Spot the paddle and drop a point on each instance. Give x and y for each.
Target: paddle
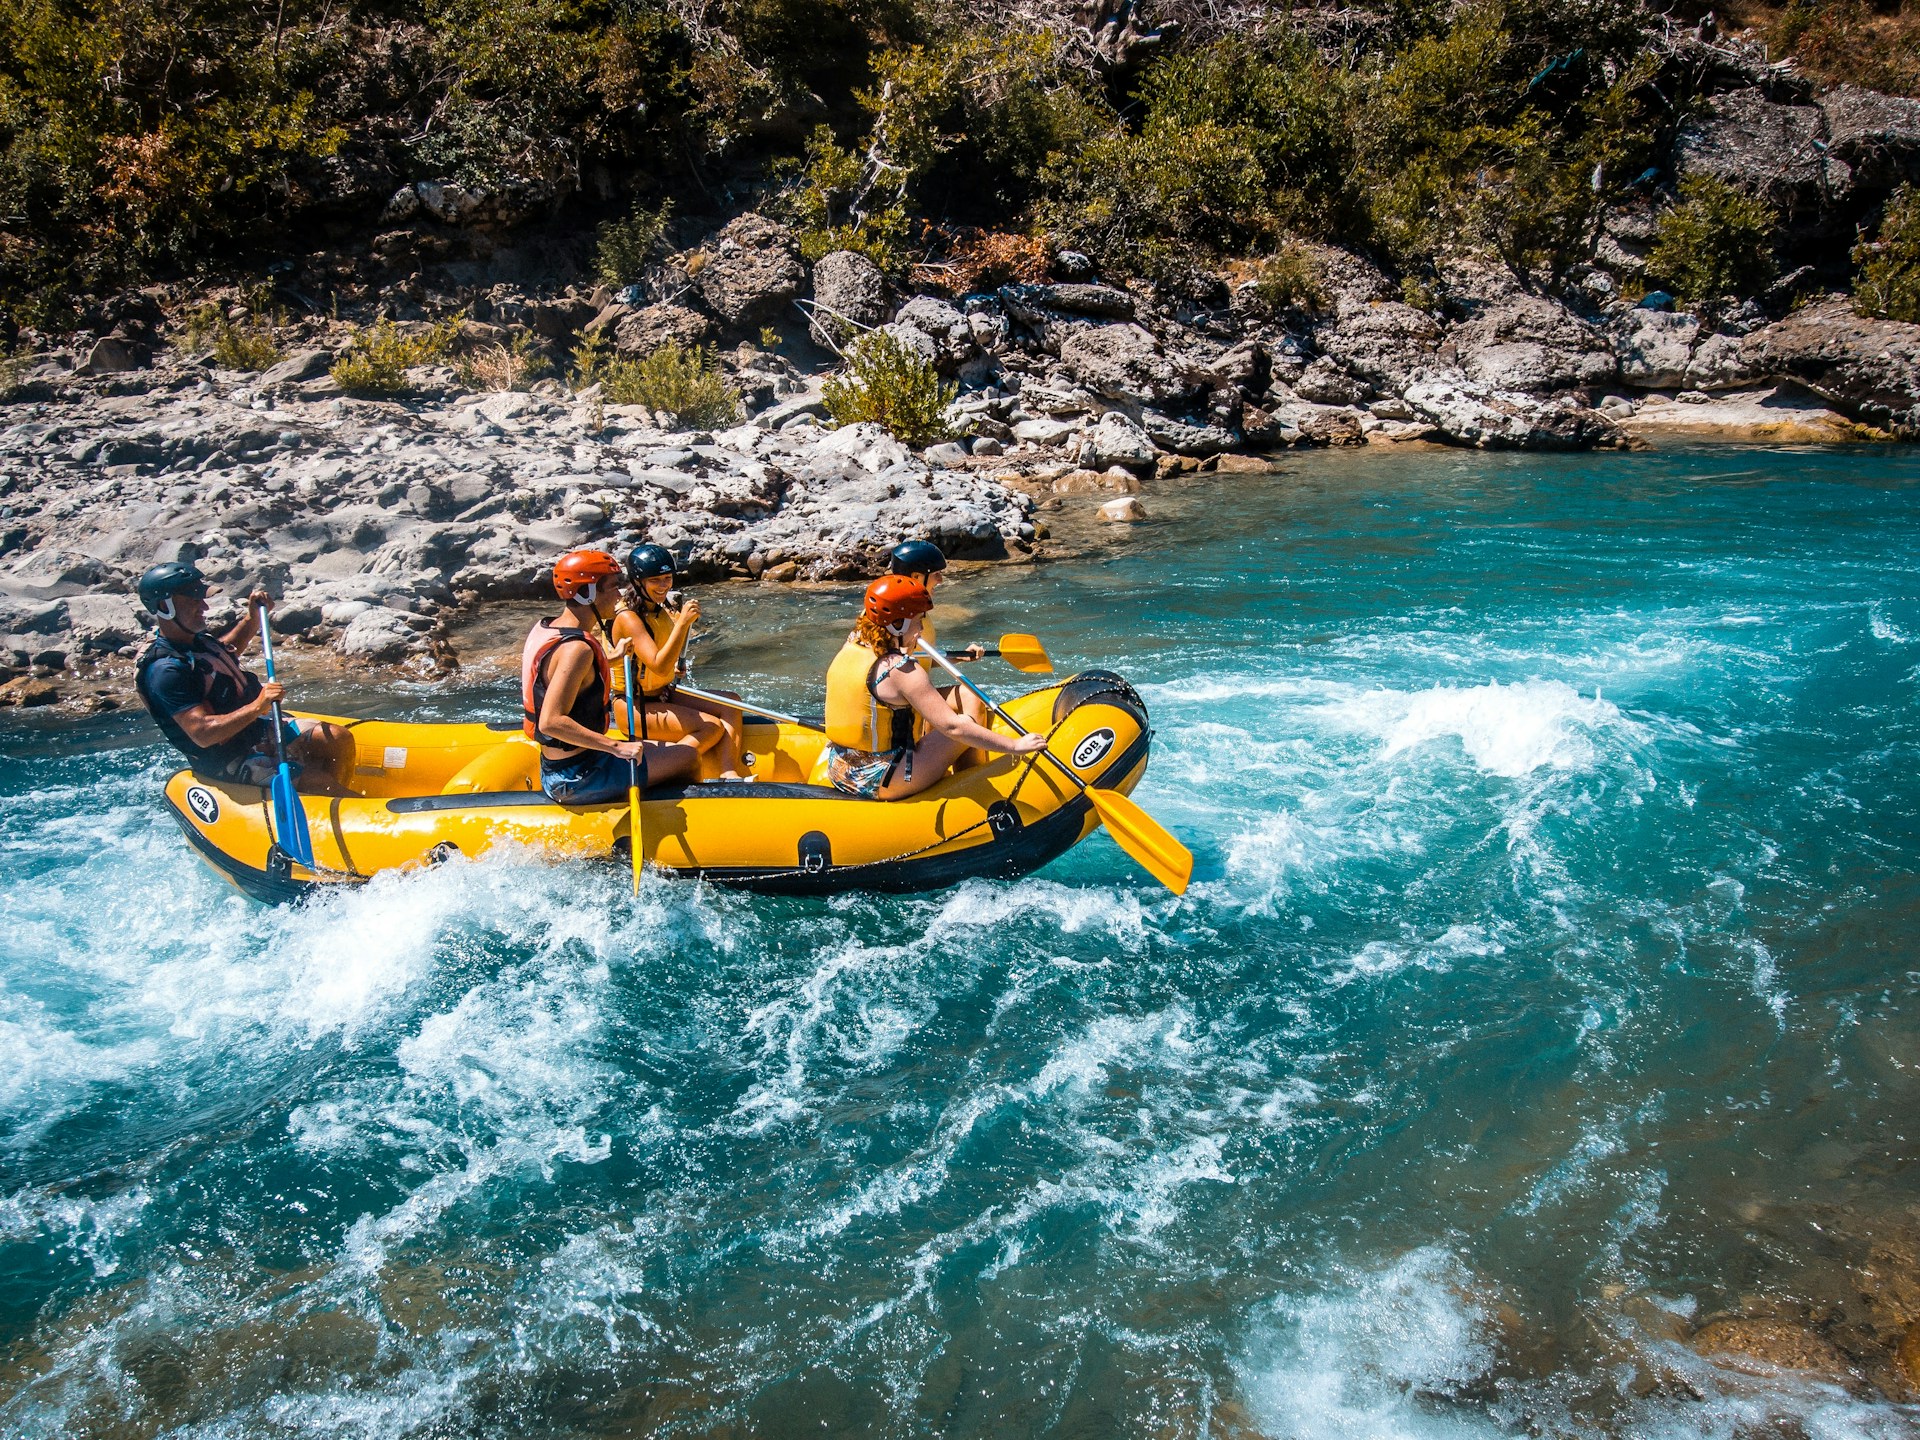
(289, 815)
(1023, 652)
(1136, 832)
(746, 706)
(633, 789)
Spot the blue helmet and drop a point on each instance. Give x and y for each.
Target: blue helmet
(646, 561)
(916, 557)
(164, 581)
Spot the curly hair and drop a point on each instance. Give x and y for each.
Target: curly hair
(875, 636)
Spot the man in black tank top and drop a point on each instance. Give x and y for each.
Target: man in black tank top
(211, 709)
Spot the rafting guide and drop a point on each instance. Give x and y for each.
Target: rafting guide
(903, 786)
(213, 710)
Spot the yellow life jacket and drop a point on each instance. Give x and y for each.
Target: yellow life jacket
(856, 717)
(926, 634)
(659, 626)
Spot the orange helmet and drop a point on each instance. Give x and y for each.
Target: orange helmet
(577, 575)
(892, 600)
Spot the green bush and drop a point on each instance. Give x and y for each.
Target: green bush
(1889, 281)
(378, 357)
(1293, 279)
(626, 248)
(1717, 242)
(893, 385)
(683, 384)
(251, 345)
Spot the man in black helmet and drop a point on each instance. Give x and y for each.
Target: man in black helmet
(924, 561)
(213, 711)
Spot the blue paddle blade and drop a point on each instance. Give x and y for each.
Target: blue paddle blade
(290, 818)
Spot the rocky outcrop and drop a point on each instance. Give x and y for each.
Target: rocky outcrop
(1470, 412)
(375, 522)
(1384, 342)
(1127, 363)
(1530, 344)
(1869, 369)
(1876, 136)
(1654, 347)
(1777, 152)
(750, 273)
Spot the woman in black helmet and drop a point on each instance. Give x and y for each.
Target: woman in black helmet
(924, 561)
(658, 633)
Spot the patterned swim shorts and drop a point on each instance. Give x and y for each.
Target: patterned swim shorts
(862, 772)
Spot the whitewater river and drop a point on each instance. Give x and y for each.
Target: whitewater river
(1547, 988)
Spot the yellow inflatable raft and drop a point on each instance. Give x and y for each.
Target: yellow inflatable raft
(428, 792)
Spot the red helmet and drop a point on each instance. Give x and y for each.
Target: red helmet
(578, 573)
(892, 600)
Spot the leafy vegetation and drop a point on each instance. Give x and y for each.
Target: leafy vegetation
(1889, 281)
(378, 357)
(1292, 279)
(1716, 243)
(251, 344)
(627, 247)
(683, 384)
(892, 385)
(150, 137)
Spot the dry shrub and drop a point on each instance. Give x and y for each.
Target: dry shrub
(512, 366)
(985, 260)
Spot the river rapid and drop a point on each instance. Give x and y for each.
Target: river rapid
(1547, 989)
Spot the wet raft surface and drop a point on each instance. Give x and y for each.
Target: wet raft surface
(1547, 990)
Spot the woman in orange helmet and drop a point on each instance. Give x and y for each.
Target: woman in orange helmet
(566, 694)
(891, 733)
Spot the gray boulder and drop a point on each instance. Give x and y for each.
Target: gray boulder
(1183, 438)
(1102, 302)
(1777, 152)
(377, 634)
(302, 365)
(943, 326)
(1116, 440)
(751, 272)
(1877, 136)
(1126, 363)
(1384, 342)
(1531, 344)
(849, 288)
(1469, 412)
(1869, 369)
(1653, 347)
(1326, 382)
(644, 331)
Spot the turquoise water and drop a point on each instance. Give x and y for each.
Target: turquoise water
(1548, 986)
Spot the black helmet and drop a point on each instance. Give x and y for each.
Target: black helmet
(916, 557)
(646, 561)
(164, 581)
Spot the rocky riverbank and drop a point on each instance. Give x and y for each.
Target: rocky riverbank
(377, 521)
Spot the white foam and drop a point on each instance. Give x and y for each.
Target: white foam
(1352, 1361)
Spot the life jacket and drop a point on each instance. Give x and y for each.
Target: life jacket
(857, 718)
(591, 707)
(924, 660)
(658, 626)
(225, 686)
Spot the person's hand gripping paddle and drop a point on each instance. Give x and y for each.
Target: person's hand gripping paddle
(633, 789)
(1152, 847)
(289, 815)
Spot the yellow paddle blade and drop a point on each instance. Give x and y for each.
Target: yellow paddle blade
(1149, 842)
(633, 833)
(1024, 652)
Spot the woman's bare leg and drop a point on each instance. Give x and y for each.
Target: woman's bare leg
(933, 760)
